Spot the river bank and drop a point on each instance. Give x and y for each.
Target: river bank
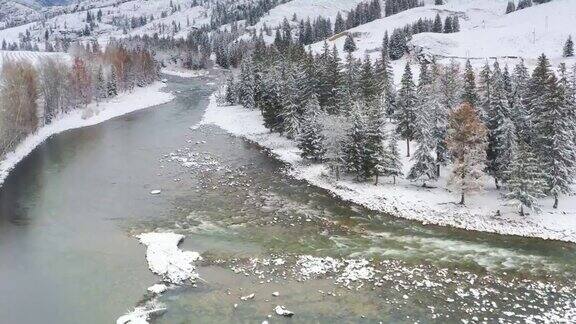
(93, 114)
(485, 212)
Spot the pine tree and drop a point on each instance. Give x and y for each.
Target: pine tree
(101, 88)
(511, 7)
(424, 167)
(247, 84)
(526, 183)
(385, 80)
(393, 164)
(485, 92)
(290, 115)
(368, 83)
(455, 24)
(112, 84)
(339, 24)
(231, 92)
(349, 44)
(553, 129)
(469, 93)
(437, 27)
(568, 48)
(406, 112)
(376, 159)
(467, 142)
(354, 146)
(311, 139)
(497, 122)
(518, 110)
(448, 25)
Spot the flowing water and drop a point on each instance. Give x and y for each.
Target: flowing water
(69, 211)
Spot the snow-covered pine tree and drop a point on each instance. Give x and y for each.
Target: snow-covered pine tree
(518, 112)
(270, 104)
(437, 27)
(231, 93)
(448, 25)
(351, 76)
(101, 88)
(556, 129)
(311, 139)
(385, 80)
(247, 84)
(406, 112)
(469, 93)
(290, 115)
(393, 164)
(368, 83)
(424, 167)
(349, 44)
(484, 93)
(376, 159)
(568, 50)
(455, 24)
(467, 142)
(526, 182)
(511, 7)
(355, 143)
(498, 116)
(112, 83)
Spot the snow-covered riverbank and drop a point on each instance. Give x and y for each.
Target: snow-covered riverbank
(124, 103)
(486, 212)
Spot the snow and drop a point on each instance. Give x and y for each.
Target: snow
(486, 212)
(93, 114)
(139, 315)
(167, 260)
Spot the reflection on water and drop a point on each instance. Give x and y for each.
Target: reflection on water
(68, 213)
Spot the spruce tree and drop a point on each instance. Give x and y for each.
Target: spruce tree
(354, 145)
(349, 44)
(311, 139)
(485, 92)
(568, 48)
(448, 25)
(518, 109)
(437, 27)
(455, 24)
(368, 83)
(406, 112)
(511, 7)
(393, 164)
(469, 89)
(247, 84)
(112, 83)
(385, 80)
(526, 182)
(376, 159)
(497, 122)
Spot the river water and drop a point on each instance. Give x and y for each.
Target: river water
(70, 210)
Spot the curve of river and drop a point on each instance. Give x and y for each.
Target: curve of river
(69, 211)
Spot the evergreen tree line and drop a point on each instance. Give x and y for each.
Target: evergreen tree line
(395, 6)
(32, 96)
(516, 127)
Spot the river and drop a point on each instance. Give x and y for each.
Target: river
(70, 210)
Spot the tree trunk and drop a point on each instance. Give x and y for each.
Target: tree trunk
(521, 210)
(438, 170)
(338, 172)
(408, 147)
(462, 199)
(555, 201)
(376, 183)
(496, 183)
(394, 179)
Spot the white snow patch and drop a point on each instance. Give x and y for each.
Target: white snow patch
(310, 266)
(123, 104)
(167, 260)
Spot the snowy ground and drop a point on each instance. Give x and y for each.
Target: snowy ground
(487, 212)
(94, 114)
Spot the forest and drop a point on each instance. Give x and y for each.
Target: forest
(515, 127)
(33, 95)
